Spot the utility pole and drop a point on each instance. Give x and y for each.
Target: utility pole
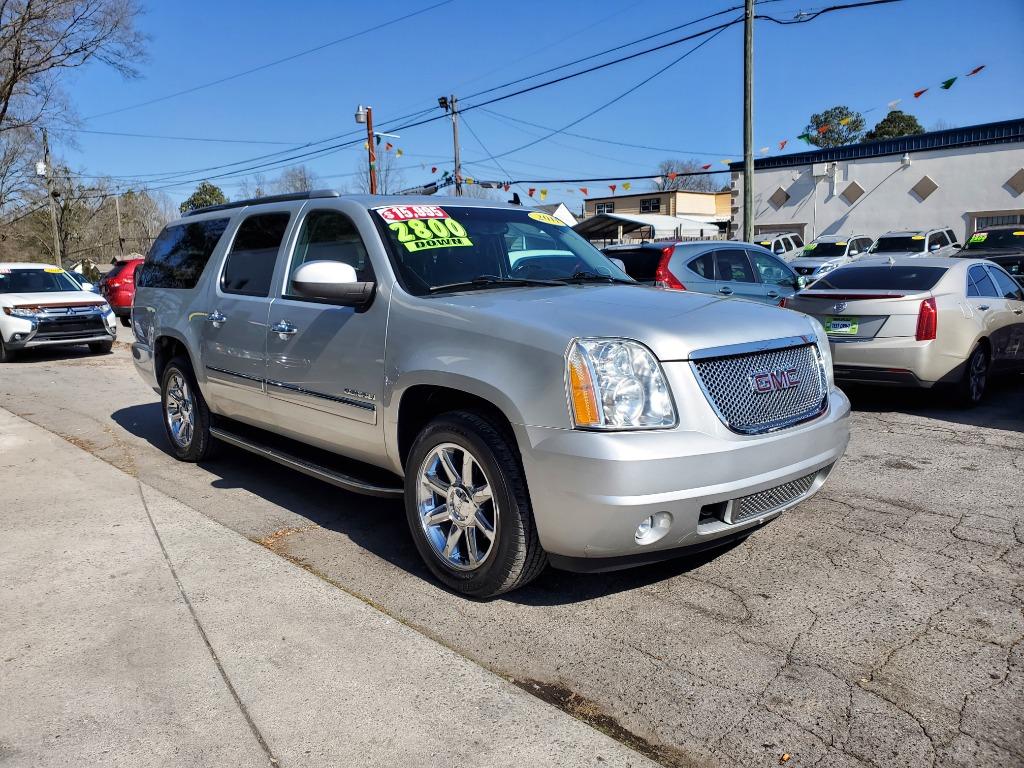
(748, 122)
(120, 236)
(51, 194)
(451, 105)
(365, 115)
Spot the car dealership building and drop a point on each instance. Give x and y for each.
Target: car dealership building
(963, 178)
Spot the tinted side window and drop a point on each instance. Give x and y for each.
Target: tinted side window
(1006, 286)
(179, 254)
(798, 241)
(732, 266)
(772, 270)
(249, 266)
(704, 266)
(979, 283)
(330, 236)
(939, 238)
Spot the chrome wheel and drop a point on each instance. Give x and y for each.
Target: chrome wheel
(977, 375)
(180, 410)
(456, 507)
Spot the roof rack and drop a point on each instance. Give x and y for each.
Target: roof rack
(317, 193)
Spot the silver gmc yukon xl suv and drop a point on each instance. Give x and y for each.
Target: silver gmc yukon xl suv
(530, 402)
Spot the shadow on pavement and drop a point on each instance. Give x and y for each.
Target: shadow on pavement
(1002, 408)
(50, 354)
(379, 525)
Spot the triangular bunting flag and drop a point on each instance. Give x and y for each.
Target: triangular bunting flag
(378, 140)
(846, 120)
(705, 167)
(508, 187)
(585, 191)
(657, 180)
(947, 84)
(626, 186)
(469, 180)
(893, 104)
(764, 150)
(433, 169)
(530, 191)
(388, 146)
(672, 176)
(824, 129)
(398, 153)
(975, 71)
(805, 136)
(728, 162)
(919, 94)
(783, 143)
(366, 145)
(612, 188)
(543, 195)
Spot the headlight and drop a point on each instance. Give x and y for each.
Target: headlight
(827, 267)
(823, 349)
(617, 384)
(105, 309)
(27, 313)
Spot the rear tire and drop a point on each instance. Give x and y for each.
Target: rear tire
(468, 507)
(101, 347)
(126, 321)
(970, 391)
(185, 414)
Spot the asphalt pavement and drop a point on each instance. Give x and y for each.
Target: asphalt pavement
(878, 624)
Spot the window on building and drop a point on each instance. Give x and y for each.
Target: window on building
(650, 205)
(605, 208)
(994, 221)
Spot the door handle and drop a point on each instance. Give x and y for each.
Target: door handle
(283, 329)
(725, 291)
(216, 318)
(983, 308)
(1018, 311)
(773, 294)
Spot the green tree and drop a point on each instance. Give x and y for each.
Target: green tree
(844, 127)
(894, 125)
(205, 194)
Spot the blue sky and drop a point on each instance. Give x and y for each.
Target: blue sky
(861, 58)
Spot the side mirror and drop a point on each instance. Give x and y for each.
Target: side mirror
(854, 252)
(933, 248)
(89, 287)
(333, 281)
(801, 282)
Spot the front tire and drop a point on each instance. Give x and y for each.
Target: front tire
(185, 414)
(101, 347)
(126, 321)
(6, 355)
(971, 389)
(468, 507)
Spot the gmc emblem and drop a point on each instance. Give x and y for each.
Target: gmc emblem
(764, 382)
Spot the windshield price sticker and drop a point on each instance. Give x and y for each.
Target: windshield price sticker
(54, 270)
(547, 218)
(843, 243)
(810, 246)
(979, 237)
(435, 232)
(917, 237)
(411, 212)
(1018, 234)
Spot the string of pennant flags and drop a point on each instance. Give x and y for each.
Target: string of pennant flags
(707, 169)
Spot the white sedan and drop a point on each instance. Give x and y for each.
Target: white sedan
(41, 306)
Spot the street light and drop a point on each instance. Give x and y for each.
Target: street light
(365, 115)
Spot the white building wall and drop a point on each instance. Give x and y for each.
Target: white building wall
(971, 181)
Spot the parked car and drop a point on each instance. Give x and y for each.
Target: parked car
(83, 282)
(825, 253)
(718, 267)
(920, 322)
(920, 242)
(530, 409)
(118, 288)
(42, 306)
(1003, 245)
(787, 245)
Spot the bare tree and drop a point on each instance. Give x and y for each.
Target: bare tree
(41, 38)
(298, 178)
(253, 187)
(666, 168)
(390, 179)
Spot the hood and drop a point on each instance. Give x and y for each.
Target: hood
(813, 261)
(49, 298)
(671, 323)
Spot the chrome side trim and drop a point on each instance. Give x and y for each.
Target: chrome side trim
(337, 479)
(332, 398)
(226, 372)
(750, 347)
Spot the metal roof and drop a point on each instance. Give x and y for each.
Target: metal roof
(1004, 132)
(606, 225)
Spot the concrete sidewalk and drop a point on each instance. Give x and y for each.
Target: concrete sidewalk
(137, 632)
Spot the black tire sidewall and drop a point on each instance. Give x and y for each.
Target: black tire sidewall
(489, 579)
(200, 446)
(964, 395)
(101, 347)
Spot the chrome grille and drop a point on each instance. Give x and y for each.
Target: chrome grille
(727, 383)
(770, 499)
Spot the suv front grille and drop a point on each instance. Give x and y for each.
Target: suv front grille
(770, 499)
(793, 388)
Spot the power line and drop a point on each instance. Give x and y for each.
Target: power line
(186, 138)
(274, 63)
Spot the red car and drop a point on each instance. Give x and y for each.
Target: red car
(118, 288)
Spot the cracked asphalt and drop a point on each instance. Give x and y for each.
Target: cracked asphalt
(879, 624)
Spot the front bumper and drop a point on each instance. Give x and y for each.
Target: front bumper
(24, 333)
(591, 490)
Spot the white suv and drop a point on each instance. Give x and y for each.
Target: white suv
(785, 245)
(41, 306)
(919, 242)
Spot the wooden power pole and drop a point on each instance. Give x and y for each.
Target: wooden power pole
(748, 122)
(52, 195)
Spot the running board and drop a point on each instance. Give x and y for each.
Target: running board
(312, 469)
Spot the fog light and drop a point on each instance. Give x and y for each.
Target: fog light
(653, 528)
(17, 337)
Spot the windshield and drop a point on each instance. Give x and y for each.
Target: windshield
(824, 250)
(882, 278)
(999, 238)
(898, 244)
(439, 247)
(41, 280)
